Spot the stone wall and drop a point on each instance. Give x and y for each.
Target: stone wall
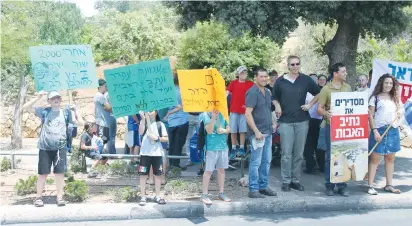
(31, 124)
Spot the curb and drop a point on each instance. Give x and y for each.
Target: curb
(186, 209)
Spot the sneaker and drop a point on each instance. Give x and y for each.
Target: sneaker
(241, 152)
(142, 201)
(61, 202)
(343, 192)
(285, 187)
(268, 192)
(38, 202)
(223, 197)
(372, 191)
(329, 192)
(297, 186)
(256, 195)
(232, 154)
(205, 199)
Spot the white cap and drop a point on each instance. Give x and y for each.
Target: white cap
(53, 94)
(240, 69)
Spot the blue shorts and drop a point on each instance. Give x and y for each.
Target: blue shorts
(391, 143)
(133, 139)
(237, 123)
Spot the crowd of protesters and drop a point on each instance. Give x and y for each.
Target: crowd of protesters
(295, 105)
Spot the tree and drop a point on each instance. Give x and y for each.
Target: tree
(26, 24)
(275, 19)
(209, 44)
(133, 36)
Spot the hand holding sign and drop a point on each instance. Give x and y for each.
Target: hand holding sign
(206, 95)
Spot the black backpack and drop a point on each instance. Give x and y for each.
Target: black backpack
(201, 138)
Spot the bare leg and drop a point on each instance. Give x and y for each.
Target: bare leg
(221, 179)
(374, 159)
(151, 176)
(206, 181)
(137, 150)
(41, 182)
(158, 183)
(143, 179)
(233, 136)
(242, 139)
(389, 168)
(59, 185)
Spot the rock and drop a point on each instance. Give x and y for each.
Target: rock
(8, 123)
(25, 117)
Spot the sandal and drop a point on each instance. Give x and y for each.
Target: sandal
(38, 202)
(142, 201)
(159, 200)
(391, 189)
(149, 183)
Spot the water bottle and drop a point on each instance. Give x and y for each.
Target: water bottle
(99, 144)
(194, 153)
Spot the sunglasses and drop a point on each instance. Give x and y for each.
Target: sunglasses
(297, 64)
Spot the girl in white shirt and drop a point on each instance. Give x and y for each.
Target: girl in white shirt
(151, 153)
(384, 107)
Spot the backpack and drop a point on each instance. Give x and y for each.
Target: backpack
(201, 138)
(67, 119)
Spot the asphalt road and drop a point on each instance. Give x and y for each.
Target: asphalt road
(398, 217)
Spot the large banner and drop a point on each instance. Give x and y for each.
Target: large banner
(145, 86)
(349, 136)
(403, 73)
(63, 67)
(203, 90)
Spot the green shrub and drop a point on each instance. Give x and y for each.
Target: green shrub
(181, 186)
(76, 191)
(129, 194)
(5, 164)
(118, 167)
(49, 181)
(77, 161)
(101, 169)
(25, 187)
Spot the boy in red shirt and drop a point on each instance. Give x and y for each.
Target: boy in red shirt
(237, 89)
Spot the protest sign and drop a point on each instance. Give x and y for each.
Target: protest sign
(349, 136)
(62, 67)
(146, 86)
(403, 73)
(203, 91)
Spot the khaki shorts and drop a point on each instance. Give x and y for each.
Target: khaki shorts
(216, 160)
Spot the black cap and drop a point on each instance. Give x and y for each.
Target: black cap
(102, 82)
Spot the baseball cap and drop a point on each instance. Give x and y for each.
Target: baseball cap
(240, 69)
(53, 94)
(102, 82)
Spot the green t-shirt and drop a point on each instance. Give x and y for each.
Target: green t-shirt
(214, 141)
(325, 95)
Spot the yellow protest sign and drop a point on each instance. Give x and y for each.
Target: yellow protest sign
(203, 90)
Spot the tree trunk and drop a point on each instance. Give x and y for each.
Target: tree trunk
(16, 133)
(343, 48)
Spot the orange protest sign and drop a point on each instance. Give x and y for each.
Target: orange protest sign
(203, 90)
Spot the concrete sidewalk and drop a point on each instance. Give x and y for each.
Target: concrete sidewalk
(312, 199)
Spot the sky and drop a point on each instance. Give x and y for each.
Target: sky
(86, 6)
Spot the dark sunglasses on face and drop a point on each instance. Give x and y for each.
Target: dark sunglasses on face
(297, 64)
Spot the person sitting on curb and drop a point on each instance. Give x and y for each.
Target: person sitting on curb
(151, 153)
(217, 156)
(92, 149)
(52, 143)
